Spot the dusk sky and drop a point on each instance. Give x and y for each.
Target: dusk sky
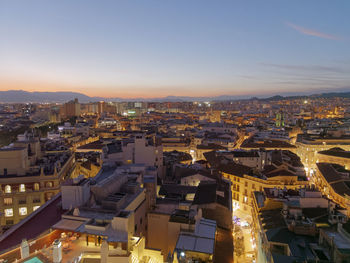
(180, 47)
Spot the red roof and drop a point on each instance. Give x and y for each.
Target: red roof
(33, 225)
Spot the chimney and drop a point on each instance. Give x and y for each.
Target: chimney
(24, 249)
(57, 251)
(104, 251)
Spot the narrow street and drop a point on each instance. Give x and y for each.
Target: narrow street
(243, 229)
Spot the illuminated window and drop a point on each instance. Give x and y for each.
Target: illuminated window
(22, 188)
(9, 212)
(8, 189)
(22, 211)
(36, 187)
(245, 199)
(8, 201)
(49, 184)
(36, 207)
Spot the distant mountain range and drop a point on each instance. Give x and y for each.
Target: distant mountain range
(25, 96)
(21, 96)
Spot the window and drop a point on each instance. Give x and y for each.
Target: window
(245, 199)
(8, 212)
(36, 199)
(246, 184)
(36, 187)
(22, 188)
(8, 189)
(49, 184)
(9, 222)
(36, 207)
(48, 196)
(22, 211)
(8, 201)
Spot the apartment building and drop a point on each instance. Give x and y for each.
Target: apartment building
(137, 149)
(298, 226)
(29, 177)
(20, 195)
(308, 145)
(334, 182)
(334, 155)
(281, 173)
(116, 221)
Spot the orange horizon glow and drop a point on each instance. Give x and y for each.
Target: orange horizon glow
(129, 92)
(120, 49)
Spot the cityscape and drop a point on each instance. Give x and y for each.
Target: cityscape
(174, 132)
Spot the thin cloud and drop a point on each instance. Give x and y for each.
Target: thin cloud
(309, 68)
(312, 32)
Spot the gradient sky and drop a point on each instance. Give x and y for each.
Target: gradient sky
(181, 47)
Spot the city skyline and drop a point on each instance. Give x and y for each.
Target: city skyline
(156, 49)
(155, 131)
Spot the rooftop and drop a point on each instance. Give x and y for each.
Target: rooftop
(337, 152)
(32, 226)
(202, 240)
(336, 176)
(97, 145)
(251, 143)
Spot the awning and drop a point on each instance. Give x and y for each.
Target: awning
(68, 224)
